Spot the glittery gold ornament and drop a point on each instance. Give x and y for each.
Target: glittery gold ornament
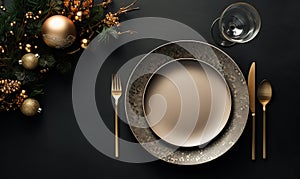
(30, 107)
(111, 19)
(78, 10)
(29, 61)
(8, 86)
(58, 31)
(11, 95)
(84, 43)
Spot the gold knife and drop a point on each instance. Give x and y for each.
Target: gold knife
(251, 88)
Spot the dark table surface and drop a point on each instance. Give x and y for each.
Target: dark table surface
(53, 146)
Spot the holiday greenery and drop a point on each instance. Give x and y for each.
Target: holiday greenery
(26, 53)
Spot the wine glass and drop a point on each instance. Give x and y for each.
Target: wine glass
(239, 23)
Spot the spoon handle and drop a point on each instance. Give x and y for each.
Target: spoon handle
(253, 136)
(264, 134)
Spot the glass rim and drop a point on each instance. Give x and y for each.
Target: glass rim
(254, 10)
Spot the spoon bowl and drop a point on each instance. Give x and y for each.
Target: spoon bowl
(264, 92)
(264, 95)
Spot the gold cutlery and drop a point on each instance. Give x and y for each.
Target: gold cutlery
(264, 95)
(116, 92)
(251, 88)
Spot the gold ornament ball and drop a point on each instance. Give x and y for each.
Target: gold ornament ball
(58, 31)
(30, 107)
(30, 61)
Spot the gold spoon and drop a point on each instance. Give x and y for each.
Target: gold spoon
(264, 95)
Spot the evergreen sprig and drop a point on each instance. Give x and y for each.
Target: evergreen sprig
(17, 30)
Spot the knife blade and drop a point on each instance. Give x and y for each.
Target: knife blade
(251, 89)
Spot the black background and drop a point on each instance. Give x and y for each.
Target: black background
(52, 145)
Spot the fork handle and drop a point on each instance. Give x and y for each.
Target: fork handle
(264, 134)
(116, 131)
(253, 136)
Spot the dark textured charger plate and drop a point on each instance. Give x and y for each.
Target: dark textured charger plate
(134, 106)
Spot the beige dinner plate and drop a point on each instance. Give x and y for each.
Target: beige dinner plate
(187, 102)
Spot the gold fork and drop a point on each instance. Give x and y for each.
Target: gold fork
(116, 92)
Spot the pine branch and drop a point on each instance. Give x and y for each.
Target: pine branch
(20, 29)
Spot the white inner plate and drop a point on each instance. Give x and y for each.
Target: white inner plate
(187, 102)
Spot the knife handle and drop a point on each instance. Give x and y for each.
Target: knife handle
(253, 136)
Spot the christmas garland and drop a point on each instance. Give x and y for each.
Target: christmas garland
(42, 35)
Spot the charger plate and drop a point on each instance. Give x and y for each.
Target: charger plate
(134, 98)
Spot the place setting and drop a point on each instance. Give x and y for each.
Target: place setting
(187, 102)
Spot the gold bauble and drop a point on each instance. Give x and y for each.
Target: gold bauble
(30, 107)
(58, 31)
(30, 61)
